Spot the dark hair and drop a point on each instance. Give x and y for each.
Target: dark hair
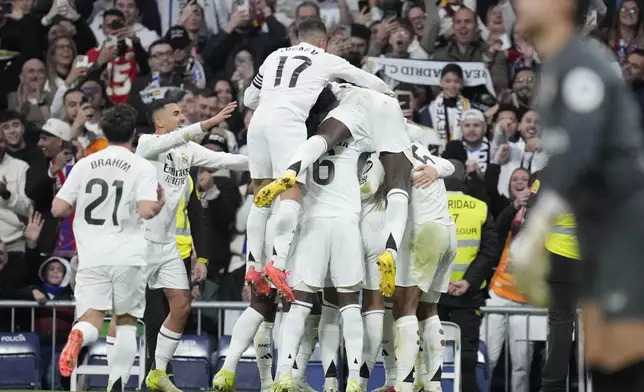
(639, 52)
(307, 4)
(311, 26)
(206, 92)
(505, 108)
(156, 106)
(519, 70)
(114, 12)
(158, 42)
(71, 91)
(404, 87)
(9, 115)
(118, 123)
(452, 68)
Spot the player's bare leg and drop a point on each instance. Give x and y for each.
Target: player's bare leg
(169, 338)
(256, 234)
(84, 333)
(406, 301)
(373, 315)
(259, 315)
(433, 345)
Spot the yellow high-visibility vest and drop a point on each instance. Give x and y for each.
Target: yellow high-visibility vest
(184, 237)
(469, 214)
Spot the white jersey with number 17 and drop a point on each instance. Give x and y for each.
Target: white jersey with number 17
(291, 79)
(105, 187)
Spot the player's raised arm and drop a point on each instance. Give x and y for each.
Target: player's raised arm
(65, 200)
(340, 68)
(165, 116)
(204, 157)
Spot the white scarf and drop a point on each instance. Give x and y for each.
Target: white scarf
(443, 116)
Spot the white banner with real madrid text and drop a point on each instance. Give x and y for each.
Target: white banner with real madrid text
(428, 72)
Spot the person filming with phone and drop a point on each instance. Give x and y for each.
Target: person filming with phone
(119, 56)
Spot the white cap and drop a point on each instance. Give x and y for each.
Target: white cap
(473, 114)
(58, 128)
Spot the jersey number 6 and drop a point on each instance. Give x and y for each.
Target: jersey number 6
(306, 62)
(104, 188)
(330, 170)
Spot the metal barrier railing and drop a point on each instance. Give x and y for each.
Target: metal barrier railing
(199, 306)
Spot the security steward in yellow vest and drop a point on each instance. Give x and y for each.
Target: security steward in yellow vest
(477, 254)
(563, 251)
(191, 228)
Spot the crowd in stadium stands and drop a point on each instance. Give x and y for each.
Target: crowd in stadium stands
(457, 67)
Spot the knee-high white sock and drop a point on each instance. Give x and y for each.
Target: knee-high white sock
(90, 333)
(286, 223)
(255, 235)
(167, 343)
(307, 345)
(109, 348)
(243, 332)
(307, 153)
(420, 367)
(433, 350)
(124, 353)
(388, 346)
(330, 343)
(372, 324)
(293, 332)
(407, 343)
(353, 333)
(264, 352)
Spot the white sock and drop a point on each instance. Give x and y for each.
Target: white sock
(286, 223)
(329, 343)
(125, 349)
(264, 353)
(434, 349)
(407, 340)
(110, 340)
(420, 368)
(255, 234)
(167, 342)
(90, 333)
(353, 333)
(307, 345)
(292, 335)
(388, 346)
(307, 153)
(244, 330)
(372, 324)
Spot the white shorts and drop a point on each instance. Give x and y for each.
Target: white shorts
(426, 257)
(271, 145)
(372, 225)
(117, 288)
(375, 120)
(327, 246)
(166, 269)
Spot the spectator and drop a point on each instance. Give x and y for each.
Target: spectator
(60, 58)
(304, 10)
(475, 142)
(42, 185)
(15, 207)
(522, 88)
(120, 60)
(31, 100)
(206, 108)
(243, 73)
(63, 20)
(633, 70)
(192, 20)
(360, 36)
(524, 56)
(216, 13)
(627, 32)
(186, 65)
(187, 102)
(83, 118)
(447, 109)
(417, 19)
(131, 15)
(13, 127)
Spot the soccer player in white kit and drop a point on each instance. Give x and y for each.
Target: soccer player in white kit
(110, 191)
(173, 152)
(283, 92)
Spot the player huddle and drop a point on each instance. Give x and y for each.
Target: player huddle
(362, 209)
(331, 228)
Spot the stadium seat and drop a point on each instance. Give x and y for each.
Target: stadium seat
(247, 374)
(482, 368)
(191, 362)
(451, 381)
(19, 361)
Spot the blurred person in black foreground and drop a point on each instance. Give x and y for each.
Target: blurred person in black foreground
(592, 133)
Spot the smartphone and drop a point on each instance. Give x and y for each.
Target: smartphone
(69, 146)
(111, 41)
(84, 100)
(190, 64)
(343, 32)
(362, 4)
(82, 61)
(242, 5)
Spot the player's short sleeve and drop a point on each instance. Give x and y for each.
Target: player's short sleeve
(69, 191)
(146, 184)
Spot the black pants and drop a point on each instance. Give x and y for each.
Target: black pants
(628, 379)
(469, 320)
(561, 322)
(157, 309)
